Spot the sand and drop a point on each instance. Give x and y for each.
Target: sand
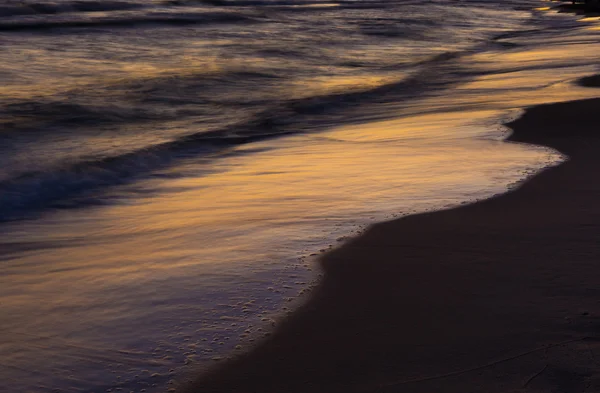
(501, 295)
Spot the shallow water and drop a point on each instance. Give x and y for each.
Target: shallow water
(168, 171)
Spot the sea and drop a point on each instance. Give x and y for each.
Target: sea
(171, 170)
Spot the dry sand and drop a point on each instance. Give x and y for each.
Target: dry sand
(498, 296)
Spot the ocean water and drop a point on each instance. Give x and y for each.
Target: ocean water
(170, 170)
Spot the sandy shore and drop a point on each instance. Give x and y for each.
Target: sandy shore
(498, 296)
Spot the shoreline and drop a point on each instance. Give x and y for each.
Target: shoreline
(494, 296)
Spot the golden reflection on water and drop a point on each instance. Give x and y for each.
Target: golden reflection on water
(590, 19)
(94, 74)
(568, 53)
(316, 5)
(341, 84)
(526, 73)
(254, 208)
(342, 172)
(89, 69)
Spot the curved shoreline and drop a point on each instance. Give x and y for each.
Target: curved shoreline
(496, 296)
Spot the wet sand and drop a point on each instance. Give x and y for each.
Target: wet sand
(501, 295)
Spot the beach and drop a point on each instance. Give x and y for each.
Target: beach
(296, 196)
(497, 296)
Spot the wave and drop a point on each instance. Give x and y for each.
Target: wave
(46, 8)
(130, 21)
(42, 115)
(162, 98)
(71, 185)
(57, 188)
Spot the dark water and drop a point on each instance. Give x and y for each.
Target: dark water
(167, 166)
